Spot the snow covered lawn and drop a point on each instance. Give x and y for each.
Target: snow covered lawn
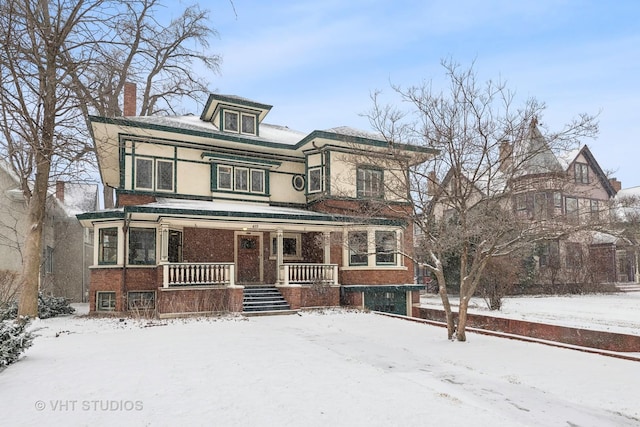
(317, 369)
(617, 312)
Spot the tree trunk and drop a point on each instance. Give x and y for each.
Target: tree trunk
(462, 319)
(28, 304)
(442, 291)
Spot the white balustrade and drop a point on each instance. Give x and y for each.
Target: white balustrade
(305, 274)
(198, 274)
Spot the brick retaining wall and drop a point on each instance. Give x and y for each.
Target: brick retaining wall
(575, 336)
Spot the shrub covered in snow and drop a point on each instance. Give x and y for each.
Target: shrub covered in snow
(14, 339)
(48, 306)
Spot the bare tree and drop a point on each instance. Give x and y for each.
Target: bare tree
(462, 198)
(62, 60)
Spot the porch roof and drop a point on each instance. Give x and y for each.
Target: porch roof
(231, 212)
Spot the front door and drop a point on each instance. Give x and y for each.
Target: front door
(248, 259)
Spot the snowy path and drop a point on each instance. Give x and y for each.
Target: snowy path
(336, 369)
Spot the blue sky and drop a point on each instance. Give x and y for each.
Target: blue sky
(317, 62)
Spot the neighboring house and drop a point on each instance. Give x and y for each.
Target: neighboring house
(64, 269)
(212, 209)
(547, 188)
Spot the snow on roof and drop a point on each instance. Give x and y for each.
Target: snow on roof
(349, 131)
(268, 132)
(80, 197)
(565, 158)
(224, 206)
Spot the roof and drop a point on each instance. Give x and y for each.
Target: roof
(234, 211)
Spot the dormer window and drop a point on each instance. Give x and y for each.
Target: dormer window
(238, 122)
(231, 121)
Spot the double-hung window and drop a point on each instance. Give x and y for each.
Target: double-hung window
(240, 179)
(358, 248)
(386, 248)
(370, 183)
(142, 246)
(108, 245)
(161, 180)
(224, 177)
(581, 173)
(315, 180)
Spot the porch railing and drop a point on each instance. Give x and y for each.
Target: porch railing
(306, 274)
(198, 274)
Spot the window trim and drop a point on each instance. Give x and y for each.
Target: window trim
(319, 179)
(131, 299)
(112, 300)
(274, 246)
(225, 121)
(395, 251)
(171, 163)
(366, 174)
(147, 251)
(581, 173)
(352, 252)
(101, 258)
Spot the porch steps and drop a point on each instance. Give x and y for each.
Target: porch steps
(264, 300)
(628, 287)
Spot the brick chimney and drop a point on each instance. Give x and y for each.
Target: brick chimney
(129, 99)
(505, 154)
(617, 185)
(60, 191)
(432, 183)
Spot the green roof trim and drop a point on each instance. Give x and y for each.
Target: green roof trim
(248, 160)
(383, 288)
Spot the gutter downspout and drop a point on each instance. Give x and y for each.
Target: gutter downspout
(123, 280)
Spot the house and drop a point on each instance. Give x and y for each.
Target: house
(224, 212)
(550, 190)
(65, 242)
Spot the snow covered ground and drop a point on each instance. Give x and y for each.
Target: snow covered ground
(618, 312)
(332, 368)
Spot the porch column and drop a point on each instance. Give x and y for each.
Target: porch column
(279, 254)
(164, 243)
(326, 239)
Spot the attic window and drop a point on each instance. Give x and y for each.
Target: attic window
(237, 122)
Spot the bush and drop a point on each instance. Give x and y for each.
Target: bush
(47, 307)
(14, 339)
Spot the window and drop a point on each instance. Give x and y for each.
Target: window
(370, 183)
(108, 245)
(291, 246)
(145, 300)
(521, 202)
(298, 182)
(231, 121)
(557, 199)
(175, 246)
(386, 247)
(105, 301)
(48, 260)
(571, 207)
(249, 124)
(315, 180)
(581, 173)
(549, 254)
(142, 246)
(224, 177)
(241, 179)
(574, 255)
(257, 181)
(144, 174)
(358, 248)
(164, 174)
(540, 206)
(595, 209)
